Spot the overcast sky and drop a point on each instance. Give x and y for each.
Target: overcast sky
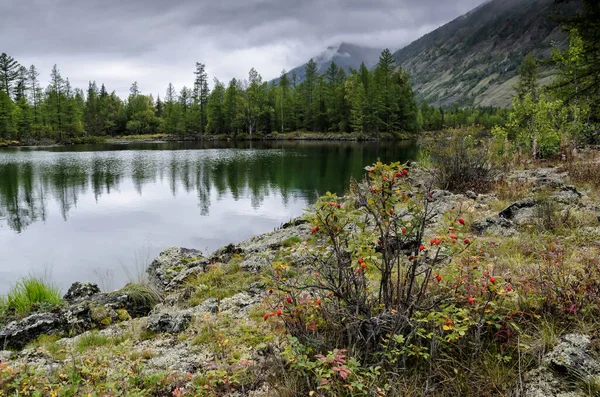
(116, 42)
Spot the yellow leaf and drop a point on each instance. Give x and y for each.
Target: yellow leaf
(312, 392)
(446, 327)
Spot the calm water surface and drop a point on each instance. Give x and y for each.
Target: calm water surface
(91, 212)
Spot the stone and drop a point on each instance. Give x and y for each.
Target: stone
(499, 226)
(471, 194)
(255, 263)
(97, 311)
(512, 211)
(79, 291)
(169, 322)
(5, 355)
(171, 262)
(18, 334)
(570, 359)
(567, 195)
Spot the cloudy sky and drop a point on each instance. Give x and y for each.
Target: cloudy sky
(116, 42)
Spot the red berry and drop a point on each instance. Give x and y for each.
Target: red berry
(360, 260)
(421, 248)
(266, 316)
(332, 204)
(318, 301)
(403, 230)
(380, 243)
(385, 179)
(316, 228)
(330, 294)
(471, 300)
(339, 206)
(467, 242)
(405, 172)
(272, 314)
(410, 258)
(461, 221)
(438, 278)
(391, 212)
(453, 236)
(438, 241)
(432, 241)
(279, 312)
(430, 195)
(359, 271)
(509, 288)
(270, 291)
(335, 229)
(372, 171)
(289, 300)
(399, 174)
(493, 280)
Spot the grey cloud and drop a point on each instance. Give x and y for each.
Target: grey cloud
(157, 41)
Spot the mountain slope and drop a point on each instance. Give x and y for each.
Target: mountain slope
(474, 59)
(344, 55)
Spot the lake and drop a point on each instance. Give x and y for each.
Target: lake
(99, 212)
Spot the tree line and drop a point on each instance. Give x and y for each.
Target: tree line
(371, 102)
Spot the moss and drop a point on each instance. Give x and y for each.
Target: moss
(123, 315)
(100, 315)
(221, 281)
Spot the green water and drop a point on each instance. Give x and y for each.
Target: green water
(90, 212)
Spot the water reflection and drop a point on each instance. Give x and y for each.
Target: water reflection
(89, 208)
(29, 178)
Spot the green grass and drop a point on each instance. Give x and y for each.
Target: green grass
(291, 241)
(29, 294)
(141, 296)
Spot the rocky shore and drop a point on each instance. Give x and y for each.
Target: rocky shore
(165, 321)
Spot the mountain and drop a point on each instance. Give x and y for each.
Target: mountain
(474, 59)
(344, 55)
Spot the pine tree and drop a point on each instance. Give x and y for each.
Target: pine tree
(528, 78)
(201, 94)
(9, 73)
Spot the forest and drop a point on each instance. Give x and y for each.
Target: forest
(378, 102)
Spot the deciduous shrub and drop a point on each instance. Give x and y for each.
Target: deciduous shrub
(462, 160)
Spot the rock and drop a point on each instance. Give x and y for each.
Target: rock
(18, 334)
(224, 254)
(5, 355)
(171, 262)
(255, 263)
(471, 194)
(567, 195)
(169, 322)
(182, 277)
(294, 222)
(98, 311)
(263, 243)
(79, 291)
(540, 177)
(570, 359)
(512, 211)
(500, 226)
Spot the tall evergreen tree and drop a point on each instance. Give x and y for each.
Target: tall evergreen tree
(9, 73)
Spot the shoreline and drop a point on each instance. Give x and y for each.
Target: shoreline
(163, 138)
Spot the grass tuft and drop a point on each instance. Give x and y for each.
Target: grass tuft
(29, 294)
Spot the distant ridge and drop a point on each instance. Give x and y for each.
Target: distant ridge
(345, 55)
(474, 59)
